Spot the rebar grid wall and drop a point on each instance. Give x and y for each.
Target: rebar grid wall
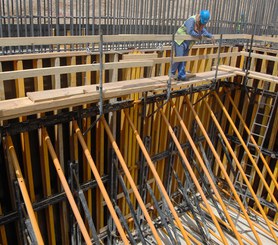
(87, 17)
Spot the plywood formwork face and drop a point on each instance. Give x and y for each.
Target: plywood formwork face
(151, 167)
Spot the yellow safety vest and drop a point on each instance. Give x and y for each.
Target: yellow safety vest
(182, 31)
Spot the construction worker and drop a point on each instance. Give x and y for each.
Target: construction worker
(194, 26)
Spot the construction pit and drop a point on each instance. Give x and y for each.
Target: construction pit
(101, 147)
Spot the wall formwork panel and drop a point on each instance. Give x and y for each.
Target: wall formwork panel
(29, 135)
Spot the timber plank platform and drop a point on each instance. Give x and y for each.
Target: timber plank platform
(42, 101)
(251, 74)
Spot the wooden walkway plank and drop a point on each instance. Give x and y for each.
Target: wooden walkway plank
(252, 74)
(24, 106)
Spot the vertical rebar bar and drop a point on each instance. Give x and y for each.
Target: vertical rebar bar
(52, 17)
(1, 19)
(101, 74)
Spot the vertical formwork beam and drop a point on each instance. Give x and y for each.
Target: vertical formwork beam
(191, 172)
(247, 151)
(131, 181)
(158, 180)
(254, 143)
(100, 183)
(47, 190)
(24, 191)
(204, 168)
(223, 170)
(3, 235)
(2, 90)
(66, 187)
(241, 171)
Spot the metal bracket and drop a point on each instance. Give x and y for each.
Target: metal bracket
(247, 66)
(26, 228)
(144, 171)
(172, 152)
(84, 204)
(218, 58)
(132, 211)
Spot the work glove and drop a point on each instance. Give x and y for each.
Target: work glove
(212, 40)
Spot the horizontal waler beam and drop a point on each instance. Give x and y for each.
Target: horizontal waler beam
(72, 69)
(60, 40)
(250, 74)
(260, 56)
(42, 101)
(56, 54)
(107, 66)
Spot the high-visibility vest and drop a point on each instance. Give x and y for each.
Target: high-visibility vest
(182, 31)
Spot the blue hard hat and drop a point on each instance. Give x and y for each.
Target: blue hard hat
(204, 17)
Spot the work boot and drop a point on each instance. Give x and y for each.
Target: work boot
(182, 78)
(173, 76)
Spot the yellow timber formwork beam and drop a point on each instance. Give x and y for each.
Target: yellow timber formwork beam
(45, 171)
(223, 170)
(2, 90)
(131, 181)
(126, 149)
(66, 187)
(130, 160)
(3, 235)
(24, 191)
(206, 172)
(254, 142)
(239, 167)
(46, 183)
(86, 122)
(247, 151)
(196, 182)
(100, 183)
(158, 180)
(99, 154)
